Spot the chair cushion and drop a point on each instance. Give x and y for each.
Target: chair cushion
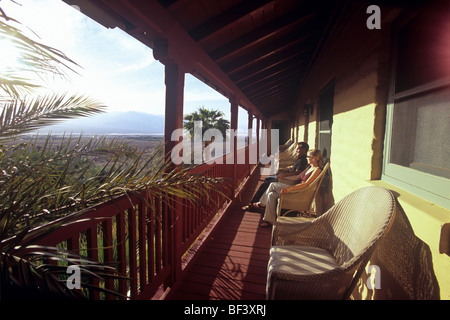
(300, 260)
(293, 220)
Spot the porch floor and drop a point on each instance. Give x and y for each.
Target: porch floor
(233, 264)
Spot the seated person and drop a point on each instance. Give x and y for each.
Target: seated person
(297, 167)
(269, 199)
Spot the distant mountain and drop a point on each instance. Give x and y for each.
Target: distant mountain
(130, 122)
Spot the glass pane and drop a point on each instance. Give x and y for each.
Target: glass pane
(325, 144)
(421, 127)
(326, 109)
(424, 49)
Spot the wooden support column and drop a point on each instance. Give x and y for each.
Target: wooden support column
(268, 128)
(258, 126)
(250, 136)
(233, 129)
(174, 81)
(266, 138)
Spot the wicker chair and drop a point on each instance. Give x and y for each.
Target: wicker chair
(300, 200)
(323, 258)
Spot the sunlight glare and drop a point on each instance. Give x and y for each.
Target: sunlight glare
(9, 56)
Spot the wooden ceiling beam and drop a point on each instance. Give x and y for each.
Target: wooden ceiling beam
(230, 17)
(275, 92)
(158, 25)
(254, 70)
(272, 82)
(270, 60)
(277, 69)
(274, 69)
(301, 44)
(274, 78)
(256, 82)
(254, 39)
(274, 106)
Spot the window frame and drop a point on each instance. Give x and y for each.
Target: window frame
(432, 188)
(329, 88)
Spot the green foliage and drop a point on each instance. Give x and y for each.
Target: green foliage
(41, 182)
(21, 116)
(211, 119)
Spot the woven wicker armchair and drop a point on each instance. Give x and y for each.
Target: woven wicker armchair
(323, 258)
(300, 200)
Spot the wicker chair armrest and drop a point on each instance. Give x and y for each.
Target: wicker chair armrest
(298, 200)
(295, 189)
(312, 233)
(293, 193)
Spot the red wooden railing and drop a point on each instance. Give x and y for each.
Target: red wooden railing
(146, 237)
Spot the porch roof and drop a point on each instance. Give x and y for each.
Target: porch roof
(254, 52)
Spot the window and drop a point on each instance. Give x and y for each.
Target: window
(418, 118)
(326, 99)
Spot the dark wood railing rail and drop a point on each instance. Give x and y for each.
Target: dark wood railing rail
(145, 236)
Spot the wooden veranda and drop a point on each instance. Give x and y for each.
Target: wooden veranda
(233, 264)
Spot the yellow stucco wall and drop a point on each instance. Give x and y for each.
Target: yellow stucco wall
(409, 259)
(411, 264)
(413, 258)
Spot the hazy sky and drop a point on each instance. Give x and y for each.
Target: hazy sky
(116, 69)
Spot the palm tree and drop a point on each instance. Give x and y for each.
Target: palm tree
(39, 183)
(206, 119)
(210, 119)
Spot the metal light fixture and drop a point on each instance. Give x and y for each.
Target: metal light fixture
(307, 108)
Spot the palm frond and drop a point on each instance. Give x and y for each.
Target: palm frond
(46, 185)
(21, 116)
(15, 86)
(35, 59)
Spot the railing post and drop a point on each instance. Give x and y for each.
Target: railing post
(267, 136)
(258, 121)
(250, 136)
(233, 130)
(176, 220)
